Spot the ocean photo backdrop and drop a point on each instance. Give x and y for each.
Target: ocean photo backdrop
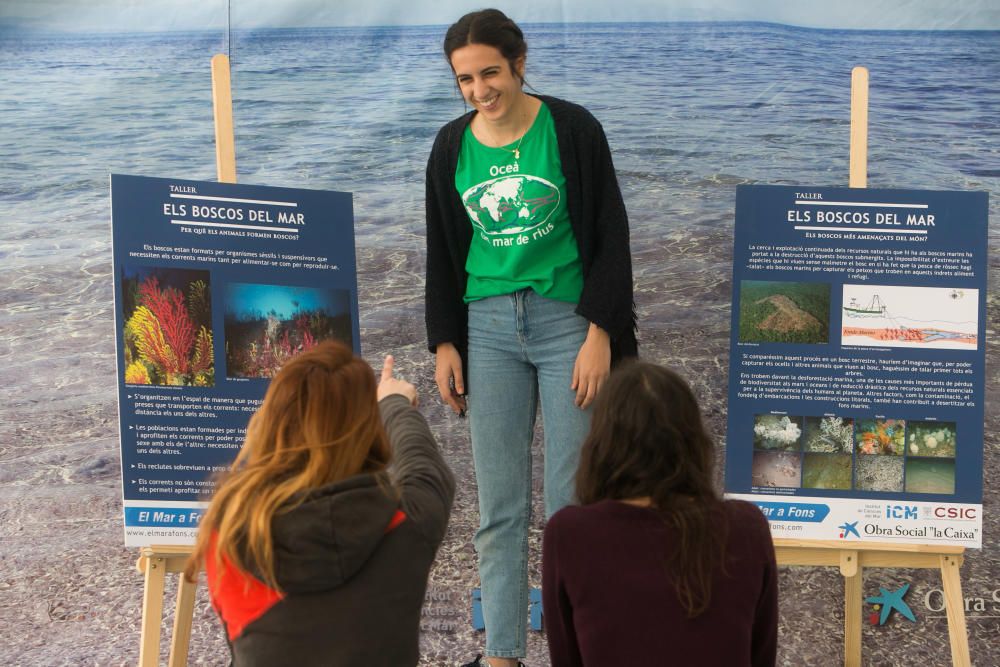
(690, 109)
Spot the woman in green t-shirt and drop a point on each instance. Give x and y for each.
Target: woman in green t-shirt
(529, 294)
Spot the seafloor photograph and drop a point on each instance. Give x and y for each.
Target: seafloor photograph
(879, 473)
(881, 436)
(930, 475)
(777, 432)
(168, 327)
(830, 435)
(827, 471)
(784, 312)
(266, 325)
(776, 469)
(931, 438)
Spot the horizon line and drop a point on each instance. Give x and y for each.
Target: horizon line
(10, 27)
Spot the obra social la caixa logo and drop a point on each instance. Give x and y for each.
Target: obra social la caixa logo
(977, 607)
(850, 529)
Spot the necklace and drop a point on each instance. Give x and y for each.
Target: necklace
(516, 150)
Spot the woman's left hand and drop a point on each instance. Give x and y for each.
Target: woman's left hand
(593, 364)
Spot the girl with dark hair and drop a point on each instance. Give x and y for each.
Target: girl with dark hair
(317, 553)
(529, 293)
(654, 567)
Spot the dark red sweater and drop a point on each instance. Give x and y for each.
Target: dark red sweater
(607, 600)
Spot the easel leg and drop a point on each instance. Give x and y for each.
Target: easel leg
(152, 613)
(954, 605)
(183, 615)
(852, 619)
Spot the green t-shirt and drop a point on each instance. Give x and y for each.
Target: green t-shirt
(521, 230)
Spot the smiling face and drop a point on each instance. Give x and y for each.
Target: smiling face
(488, 81)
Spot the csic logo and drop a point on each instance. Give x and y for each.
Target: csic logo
(900, 512)
(951, 512)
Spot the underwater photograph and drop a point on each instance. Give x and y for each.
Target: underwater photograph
(881, 436)
(879, 473)
(266, 325)
(830, 435)
(168, 327)
(776, 469)
(827, 471)
(777, 432)
(784, 312)
(931, 438)
(930, 475)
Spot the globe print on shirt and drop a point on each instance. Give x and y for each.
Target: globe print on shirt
(512, 204)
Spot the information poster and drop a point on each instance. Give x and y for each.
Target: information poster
(216, 286)
(857, 366)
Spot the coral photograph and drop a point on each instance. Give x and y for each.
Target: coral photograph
(776, 469)
(828, 435)
(780, 312)
(930, 475)
(266, 325)
(777, 432)
(168, 327)
(881, 436)
(931, 439)
(827, 471)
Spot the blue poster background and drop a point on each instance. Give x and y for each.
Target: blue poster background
(254, 273)
(795, 243)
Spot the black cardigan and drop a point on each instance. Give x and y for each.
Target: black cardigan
(597, 215)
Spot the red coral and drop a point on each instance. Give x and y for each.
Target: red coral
(308, 342)
(178, 330)
(150, 340)
(203, 356)
(284, 347)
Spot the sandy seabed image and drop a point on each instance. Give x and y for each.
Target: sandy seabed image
(930, 475)
(827, 471)
(776, 469)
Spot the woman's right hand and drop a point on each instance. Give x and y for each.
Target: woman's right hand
(389, 385)
(448, 376)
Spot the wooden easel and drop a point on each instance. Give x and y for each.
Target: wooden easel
(852, 558)
(156, 561)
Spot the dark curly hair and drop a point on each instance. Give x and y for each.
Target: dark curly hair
(647, 440)
(492, 28)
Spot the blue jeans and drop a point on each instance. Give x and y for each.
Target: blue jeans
(522, 348)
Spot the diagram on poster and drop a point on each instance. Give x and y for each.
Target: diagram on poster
(894, 316)
(216, 286)
(856, 369)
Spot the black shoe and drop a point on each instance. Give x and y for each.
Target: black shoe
(479, 662)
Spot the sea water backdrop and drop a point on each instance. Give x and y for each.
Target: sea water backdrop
(690, 110)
